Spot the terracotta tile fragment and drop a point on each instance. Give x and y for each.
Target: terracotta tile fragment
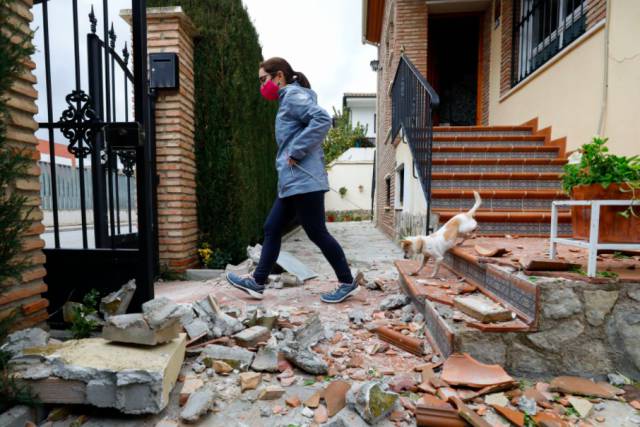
(335, 396)
(313, 401)
(580, 386)
(462, 369)
(320, 415)
(546, 419)
(514, 417)
(293, 401)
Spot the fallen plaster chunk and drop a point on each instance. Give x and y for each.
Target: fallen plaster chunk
(18, 341)
(161, 312)
(94, 371)
(249, 380)
(266, 359)
(371, 401)
(199, 403)
(236, 357)
(293, 265)
(118, 302)
(482, 308)
(271, 392)
(583, 406)
(358, 316)
(393, 302)
(298, 350)
(132, 328)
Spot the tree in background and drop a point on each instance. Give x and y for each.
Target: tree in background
(234, 128)
(343, 135)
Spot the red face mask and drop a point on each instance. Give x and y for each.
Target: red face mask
(269, 90)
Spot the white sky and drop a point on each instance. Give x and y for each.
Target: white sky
(322, 39)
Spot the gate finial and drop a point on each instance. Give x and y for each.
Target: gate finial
(125, 54)
(112, 37)
(93, 20)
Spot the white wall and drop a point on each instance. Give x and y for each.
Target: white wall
(350, 175)
(414, 201)
(363, 111)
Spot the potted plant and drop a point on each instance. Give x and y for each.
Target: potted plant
(594, 174)
(342, 191)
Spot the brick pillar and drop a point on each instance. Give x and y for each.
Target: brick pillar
(21, 126)
(169, 29)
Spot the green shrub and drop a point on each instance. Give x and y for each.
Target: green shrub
(343, 136)
(234, 126)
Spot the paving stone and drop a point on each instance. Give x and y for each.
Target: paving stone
(132, 328)
(250, 337)
(598, 304)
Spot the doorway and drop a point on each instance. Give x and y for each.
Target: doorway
(452, 62)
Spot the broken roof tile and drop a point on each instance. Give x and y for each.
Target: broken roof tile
(462, 369)
(580, 386)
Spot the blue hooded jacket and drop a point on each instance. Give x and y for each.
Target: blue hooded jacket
(301, 126)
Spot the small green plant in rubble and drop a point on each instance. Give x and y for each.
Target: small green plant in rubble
(84, 316)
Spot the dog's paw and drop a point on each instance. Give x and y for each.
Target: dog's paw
(413, 273)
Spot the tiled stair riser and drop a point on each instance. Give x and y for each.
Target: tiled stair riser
(521, 229)
(437, 132)
(497, 184)
(494, 155)
(440, 168)
(493, 204)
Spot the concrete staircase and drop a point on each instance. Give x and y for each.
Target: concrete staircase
(515, 169)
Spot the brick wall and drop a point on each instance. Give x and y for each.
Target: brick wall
(170, 30)
(487, 25)
(21, 100)
(595, 11)
(404, 29)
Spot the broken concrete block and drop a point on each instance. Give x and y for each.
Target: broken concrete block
(118, 302)
(293, 265)
(393, 302)
(271, 392)
(18, 341)
(220, 323)
(134, 380)
(482, 308)
(236, 357)
(249, 380)
(266, 359)
(297, 350)
(290, 280)
(371, 401)
(197, 328)
(199, 403)
(160, 312)
(132, 328)
(252, 336)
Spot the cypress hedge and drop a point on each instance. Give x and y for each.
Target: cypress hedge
(234, 127)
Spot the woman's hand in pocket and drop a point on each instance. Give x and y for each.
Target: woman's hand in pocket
(292, 162)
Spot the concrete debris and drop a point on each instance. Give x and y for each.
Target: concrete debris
(197, 328)
(271, 392)
(199, 403)
(293, 265)
(242, 269)
(583, 406)
(161, 312)
(252, 336)
(219, 323)
(375, 285)
(266, 360)
(190, 385)
(307, 412)
(236, 357)
(372, 401)
(527, 405)
(221, 368)
(118, 302)
(618, 380)
(290, 280)
(393, 302)
(358, 316)
(249, 380)
(254, 252)
(18, 341)
(298, 350)
(408, 312)
(198, 368)
(131, 379)
(133, 328)
(203, 274)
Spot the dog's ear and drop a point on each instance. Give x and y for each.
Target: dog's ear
(405, 244)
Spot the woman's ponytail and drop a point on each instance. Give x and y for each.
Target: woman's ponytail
(275, 64)
(301, 79)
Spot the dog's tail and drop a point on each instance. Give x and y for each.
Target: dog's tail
(476, 205)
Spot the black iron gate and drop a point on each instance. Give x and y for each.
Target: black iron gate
(107, 125)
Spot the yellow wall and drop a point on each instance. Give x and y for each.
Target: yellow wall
(567, 92)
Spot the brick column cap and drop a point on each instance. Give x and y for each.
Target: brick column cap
(164, 13)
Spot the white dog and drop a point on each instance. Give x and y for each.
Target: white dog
(439, 242)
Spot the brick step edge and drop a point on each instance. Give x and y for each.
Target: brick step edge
(510, 216)
(499, 194)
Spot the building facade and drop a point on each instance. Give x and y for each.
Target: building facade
(553, 72)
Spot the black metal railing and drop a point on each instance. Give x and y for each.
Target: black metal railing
(541, 29)
(413, 101)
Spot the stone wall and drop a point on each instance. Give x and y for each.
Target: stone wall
(169, 29)
(583, 329)
(21, 101)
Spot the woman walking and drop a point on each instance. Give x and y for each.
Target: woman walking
(301, 126)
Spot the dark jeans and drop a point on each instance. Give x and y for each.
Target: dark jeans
(309, 209)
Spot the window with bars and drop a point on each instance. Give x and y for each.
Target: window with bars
(541, 29)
